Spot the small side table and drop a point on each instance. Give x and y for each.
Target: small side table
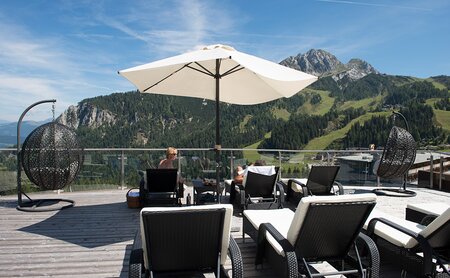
(200, 187)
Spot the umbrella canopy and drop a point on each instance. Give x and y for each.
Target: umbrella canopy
(244, 79)
(220, 73)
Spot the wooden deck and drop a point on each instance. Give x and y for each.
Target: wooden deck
(94, 238)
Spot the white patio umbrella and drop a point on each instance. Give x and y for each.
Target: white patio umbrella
(220, 73)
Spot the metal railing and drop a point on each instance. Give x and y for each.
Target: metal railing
(118, 167)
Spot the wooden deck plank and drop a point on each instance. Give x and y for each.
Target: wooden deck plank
(95, 237)
(92, 239)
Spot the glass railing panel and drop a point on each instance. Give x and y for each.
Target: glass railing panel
(119, 168)
(8, 172)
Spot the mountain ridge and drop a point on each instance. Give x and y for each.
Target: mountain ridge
(342, 93)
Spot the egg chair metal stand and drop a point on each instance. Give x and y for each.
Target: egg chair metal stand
(398, 156)
(51, 158)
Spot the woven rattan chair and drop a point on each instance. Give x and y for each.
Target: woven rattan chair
(421, 249)
(323, 228)
(398, 156)
(184, 240)
(51, 157)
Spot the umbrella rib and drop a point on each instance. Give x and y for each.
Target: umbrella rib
(206, 71)
(232, 70)
(187, 65)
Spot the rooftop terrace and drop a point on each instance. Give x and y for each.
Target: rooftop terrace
(94, 238)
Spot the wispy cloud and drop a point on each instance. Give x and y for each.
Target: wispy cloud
(375, 5)
(35, 68)
(181, 27)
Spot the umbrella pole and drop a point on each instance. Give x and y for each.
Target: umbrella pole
(218, 146)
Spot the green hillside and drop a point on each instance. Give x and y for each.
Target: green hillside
(320, 108)
(443, 118)
(367, 103)
(321, 143)
(326, 114)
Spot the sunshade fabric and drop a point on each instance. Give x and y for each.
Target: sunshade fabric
(258, 81)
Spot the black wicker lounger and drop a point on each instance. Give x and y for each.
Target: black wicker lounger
(162, 187)
(323, 228)
(259, 191)
(423, 250)
(321, 181)
(180, 240)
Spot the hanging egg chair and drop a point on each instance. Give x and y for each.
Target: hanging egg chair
(398, 156)
(51, 157)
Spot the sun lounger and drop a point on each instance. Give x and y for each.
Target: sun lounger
(423, 250)
(323, 228)
(185, 239)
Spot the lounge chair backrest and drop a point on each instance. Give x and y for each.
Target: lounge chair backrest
(185, 238)
(326, 226)
(321, 179)
(162, 180)
(260, 180)
(438, 231)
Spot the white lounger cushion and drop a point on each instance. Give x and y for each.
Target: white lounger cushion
(298, 188)
(429, 208)
(398, 238)
(262, 170)
(279, 218)
(289, 223)
(226, 225)
(438, 222)
(392, 235)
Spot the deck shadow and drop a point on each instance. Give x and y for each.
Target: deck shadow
(90, 226)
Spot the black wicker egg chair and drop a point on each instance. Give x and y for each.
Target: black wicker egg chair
(398, 156)
(51, 158)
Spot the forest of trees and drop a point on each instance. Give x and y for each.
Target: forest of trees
(166, 120)
(443, 104)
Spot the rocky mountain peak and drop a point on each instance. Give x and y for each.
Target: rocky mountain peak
(86, 115)
(316, 61)
(360, 68)
(322, 63)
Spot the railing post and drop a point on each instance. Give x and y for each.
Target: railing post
(431, 170)
(179, 163)
(441, 171)
(231, 165)
(122, 170)
(279, 163)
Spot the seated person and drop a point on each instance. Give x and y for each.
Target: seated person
(239, 178)
(167, 163)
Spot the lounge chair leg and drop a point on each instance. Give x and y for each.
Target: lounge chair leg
(403, 273)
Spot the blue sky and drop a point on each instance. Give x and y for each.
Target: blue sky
(72, 50)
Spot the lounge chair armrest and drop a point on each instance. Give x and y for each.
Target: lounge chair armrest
(289, 250)
(304, 187)
(372, 253)
(242, 199)
(237, 265)
(180, 190)
(136, 265)
(280, 188)
(371, 227)
(340, 187)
